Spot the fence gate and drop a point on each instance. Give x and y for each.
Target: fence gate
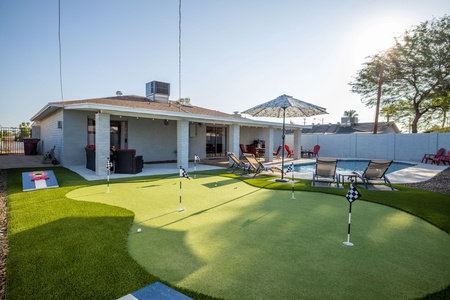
(12, 139)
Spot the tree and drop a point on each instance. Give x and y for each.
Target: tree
(25, 130)
(415, 75)
(350, 113)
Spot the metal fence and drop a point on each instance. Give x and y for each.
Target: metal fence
(11, 139)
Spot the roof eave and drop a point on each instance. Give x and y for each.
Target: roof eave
(46, 111)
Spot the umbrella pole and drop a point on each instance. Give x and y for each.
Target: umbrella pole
(282, 149)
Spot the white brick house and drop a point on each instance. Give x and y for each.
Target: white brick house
(158, 128)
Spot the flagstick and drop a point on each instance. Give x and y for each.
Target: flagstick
(348, 243)
(107, 189)
(181, 192)
(293, 197)
(108, 167)
(195, 166)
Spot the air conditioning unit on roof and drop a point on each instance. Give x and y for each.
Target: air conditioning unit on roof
(157, 91)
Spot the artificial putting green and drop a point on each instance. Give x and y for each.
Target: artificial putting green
(236, 241)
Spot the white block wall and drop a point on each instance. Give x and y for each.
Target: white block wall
(400, 147)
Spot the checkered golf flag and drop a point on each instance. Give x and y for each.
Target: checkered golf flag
(290, 168)
(183, 173)
(109, 165)
(352, 194)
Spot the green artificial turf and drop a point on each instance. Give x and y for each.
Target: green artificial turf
(66, 249)
(235, 241)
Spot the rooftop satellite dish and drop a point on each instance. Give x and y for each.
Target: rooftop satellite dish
(119, 93)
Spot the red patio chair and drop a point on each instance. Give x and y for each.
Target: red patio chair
(277, 153)
(431, 157)
(243, 150)
(443, 158)
(252, 150)
(446, 159)
(315, 152)
(289, 152)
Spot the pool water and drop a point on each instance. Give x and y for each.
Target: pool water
(348, 166)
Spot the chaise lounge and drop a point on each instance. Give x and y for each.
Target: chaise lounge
(325, 168)
(375, 170)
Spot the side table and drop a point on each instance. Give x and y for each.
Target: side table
(349, 176)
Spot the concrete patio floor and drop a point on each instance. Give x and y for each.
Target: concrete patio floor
(418, 173)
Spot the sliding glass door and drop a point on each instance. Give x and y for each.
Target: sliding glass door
(216, 141)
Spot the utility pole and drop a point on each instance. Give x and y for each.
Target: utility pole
(380, 83)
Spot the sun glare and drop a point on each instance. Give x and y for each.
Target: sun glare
(377, 36)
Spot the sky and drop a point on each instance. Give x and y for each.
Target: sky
(235, 54)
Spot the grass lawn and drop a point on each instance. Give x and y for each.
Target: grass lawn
(236, 240)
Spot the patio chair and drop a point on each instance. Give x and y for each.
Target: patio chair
(289, 152)
(376, 169)
(442, 158)
(315, 152)
(427, 157)
(277, 153)
(236, 163)
(326, 168)
(257, 166)
(445, 159)
(243, 150)
(127, 162)
(252, 150)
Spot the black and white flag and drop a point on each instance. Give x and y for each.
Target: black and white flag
(184, 174)
(352, 194)
(290, 168)
(196, 158)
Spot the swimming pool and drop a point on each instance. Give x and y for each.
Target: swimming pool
(348, 166)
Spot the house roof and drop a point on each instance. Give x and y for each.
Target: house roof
(139, 106)
(383, 127)
(145, 103)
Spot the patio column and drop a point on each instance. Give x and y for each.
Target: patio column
(268, 137)
(102, 142)
(235, 134)
(183, 143)
(297, 143)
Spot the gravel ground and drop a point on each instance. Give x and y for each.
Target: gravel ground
(439, 183)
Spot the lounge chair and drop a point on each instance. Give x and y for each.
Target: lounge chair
(438, 154)
(257, 166)
(326, 167)
(289, 152)
(236, 163)
(376, 169)
(442, 158)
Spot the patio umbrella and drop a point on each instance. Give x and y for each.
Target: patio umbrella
(285, 106)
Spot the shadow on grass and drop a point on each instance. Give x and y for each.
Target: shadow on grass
(74, 256)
